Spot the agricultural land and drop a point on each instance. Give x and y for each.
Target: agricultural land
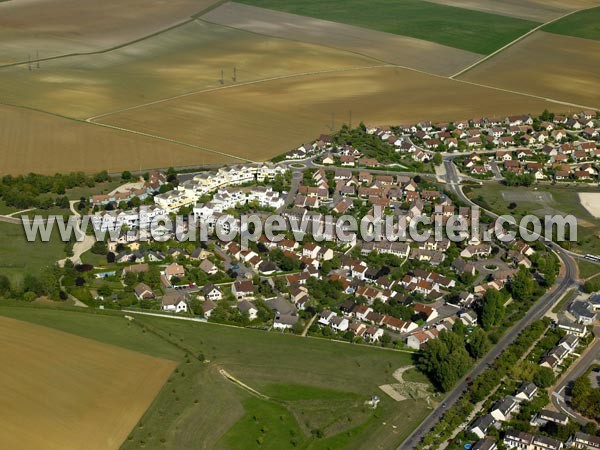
(46, 29)
(296, 396)
(466, 29)
(291, 108)
(536, 10)
(71, 392)
(536, 57)
(386, 47)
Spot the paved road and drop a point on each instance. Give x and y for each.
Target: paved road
(579, 368)
(536, 312)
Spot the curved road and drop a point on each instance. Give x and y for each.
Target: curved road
(536, 312)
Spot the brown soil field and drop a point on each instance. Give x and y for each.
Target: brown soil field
(560, 67)
(31, 141)
(391, 48)
(186, 59)
(56, 27)
(266, 119)
(63, 392)
(536, 10)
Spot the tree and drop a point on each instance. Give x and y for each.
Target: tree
(543, 377)
(126, 175)
(4, 286)
(445, 360)
(99, 248)
(478, 344)
(492, 309)
(437, 159)
(522, 285)
(386, 339)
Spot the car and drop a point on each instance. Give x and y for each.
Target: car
(444, 405)
(235, 266)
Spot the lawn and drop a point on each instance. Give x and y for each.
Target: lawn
(565, 200)
(315, 388)
(475, 31)
(18, 256)
(587, 269)
(583, 24)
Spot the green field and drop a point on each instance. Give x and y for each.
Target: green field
(564, 201)
(583, 24)
(18, 256)
(466, 29)
(315, 389)
(587, 269)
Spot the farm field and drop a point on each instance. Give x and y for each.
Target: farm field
(55, 393)
(545, 199)
(576, 80)
(467, 29)
(42, 143)
(18, 256)
(186, 59)
(266, 119)
(391, 48)
(309, 384)
(29, 27)
(583, 24)
(536, 10)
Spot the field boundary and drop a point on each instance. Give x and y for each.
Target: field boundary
(519, 39)
(191, 18)
(231, 86)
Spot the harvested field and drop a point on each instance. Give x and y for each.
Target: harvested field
(266, 119)
(559, 67)
(391, 48)
(186, 59)
(537, 10)
(591, 202)
(467, 29)
(43, 143)
(63, 392)
(58, 27)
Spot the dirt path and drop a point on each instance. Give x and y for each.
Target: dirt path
(80, 246)
(244, 386)
(308, 325)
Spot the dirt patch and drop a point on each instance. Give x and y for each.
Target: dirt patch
(591, 202)
(269, 118)
(404, 390)
(401, 50)
(57, 27)
(527, 196)
(559, 67)
(63, 392)
(392, 391)
(537, 10)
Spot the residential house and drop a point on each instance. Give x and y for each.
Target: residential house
(175, 302)
(207, 308)
(584, 441)
(211, 292)
(208, 267)
(502, 410)
(242, 289)
(482, 424)
(245, 307)
(526, 392)
(143, 292)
